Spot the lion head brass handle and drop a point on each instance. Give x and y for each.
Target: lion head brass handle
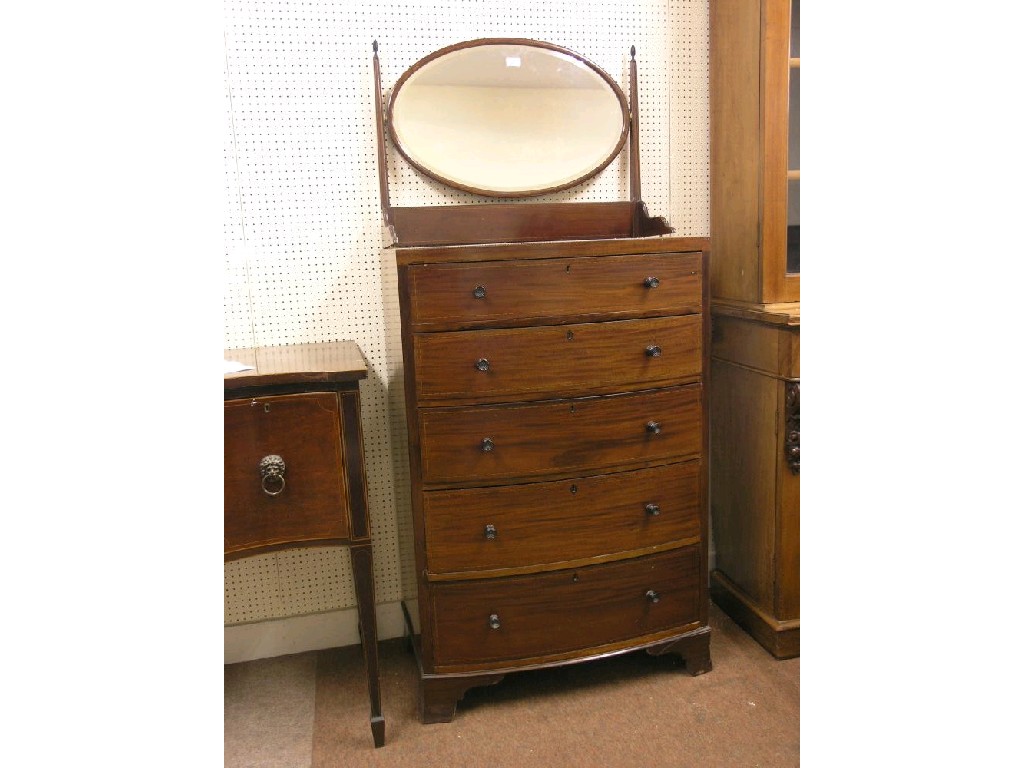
(652, 596)
(653, 351)
(479, 292)
(483, 364)
(652, 509)
(653, 427)
(487, 445)
(490, 532)
(494, 621)
(272, 474)
(651, 282)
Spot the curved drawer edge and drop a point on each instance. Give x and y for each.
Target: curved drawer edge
(693, 630)
(563, 565)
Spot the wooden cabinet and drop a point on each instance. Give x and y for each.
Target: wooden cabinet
(755, 481)
(293, 467)
(557, 414)
(755, 290)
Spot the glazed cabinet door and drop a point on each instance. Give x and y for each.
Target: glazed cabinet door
(755, 150)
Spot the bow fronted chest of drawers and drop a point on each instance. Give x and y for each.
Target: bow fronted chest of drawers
(557, 418)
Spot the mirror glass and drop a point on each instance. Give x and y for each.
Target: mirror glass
(507, 118)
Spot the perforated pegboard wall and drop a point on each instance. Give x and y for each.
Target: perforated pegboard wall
(304, 257)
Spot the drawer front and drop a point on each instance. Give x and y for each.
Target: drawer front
(565, 611)
(547, 361)
(478, 444)
(465, 295)
(536, 523)
(305, 431)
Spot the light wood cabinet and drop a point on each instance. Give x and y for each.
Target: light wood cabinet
(755, 306)
(755, 175)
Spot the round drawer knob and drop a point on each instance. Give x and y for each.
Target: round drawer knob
(651, 282)
(479, 292)
(487, 444)
(652, 509)
(652, 596)
(653, 427)
(272, 474)
(483, 364)
(653, 351)
(494, 621)
(490, 532)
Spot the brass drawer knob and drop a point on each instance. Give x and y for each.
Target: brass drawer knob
(272, 474)
(494, 621)
(483, 364)
(652, 509)
(479, 292)
(651, 282)
(652, 596)
(490, 532)
(653, 427)
(653, 351)
(487, 445)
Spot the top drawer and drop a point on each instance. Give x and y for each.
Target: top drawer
(526, 292)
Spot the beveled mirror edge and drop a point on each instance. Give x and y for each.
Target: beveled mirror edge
(624, 104)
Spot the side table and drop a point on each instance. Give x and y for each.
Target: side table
(294, 474)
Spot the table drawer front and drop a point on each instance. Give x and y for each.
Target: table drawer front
(305, 431)
(566, 610)
(550, 522)
(480, 444)
(547, 361)
(465, 295)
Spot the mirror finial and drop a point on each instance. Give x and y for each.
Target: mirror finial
(632, 51)
(374, 46)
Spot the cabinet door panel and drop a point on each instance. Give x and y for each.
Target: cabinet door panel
(305, 431)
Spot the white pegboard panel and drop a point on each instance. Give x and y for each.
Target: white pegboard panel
(690, 90)
(304, 256)
(252, 590)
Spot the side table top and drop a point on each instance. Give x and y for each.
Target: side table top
(296, 364)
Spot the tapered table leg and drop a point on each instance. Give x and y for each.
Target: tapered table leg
(362, 574)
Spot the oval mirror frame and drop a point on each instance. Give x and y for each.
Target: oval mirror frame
(498, 111)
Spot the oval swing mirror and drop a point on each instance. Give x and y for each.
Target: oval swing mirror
(507, 117)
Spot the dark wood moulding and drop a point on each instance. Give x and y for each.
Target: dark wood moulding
(522, 223)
